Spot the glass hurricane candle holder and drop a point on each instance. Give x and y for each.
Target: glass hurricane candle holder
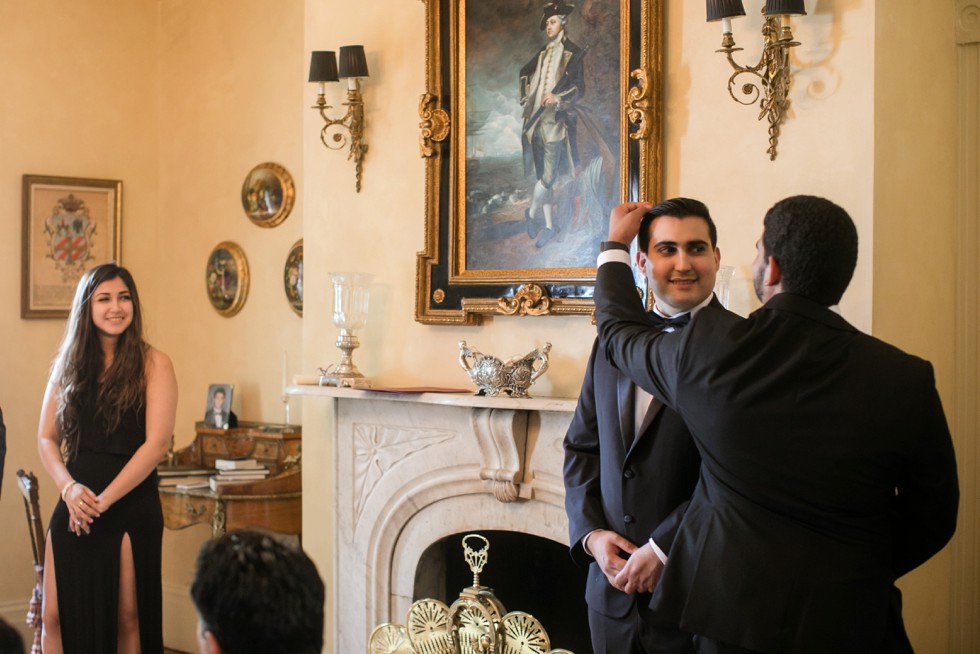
(350, 306)
(723, 284)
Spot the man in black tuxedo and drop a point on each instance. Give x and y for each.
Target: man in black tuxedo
(827, 466)
(630, 463)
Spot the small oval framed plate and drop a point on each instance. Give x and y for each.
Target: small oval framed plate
(227, 278)
(292, 277)
(268, 194)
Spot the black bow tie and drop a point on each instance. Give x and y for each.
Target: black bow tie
(677, 322)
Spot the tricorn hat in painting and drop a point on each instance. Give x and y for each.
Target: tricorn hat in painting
(555, 8)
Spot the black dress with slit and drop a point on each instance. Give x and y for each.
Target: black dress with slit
(87, 566)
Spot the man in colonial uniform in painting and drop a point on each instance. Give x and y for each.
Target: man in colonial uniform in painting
(550, 84)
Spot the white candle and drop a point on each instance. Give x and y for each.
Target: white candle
(351, 83)
(726, 25)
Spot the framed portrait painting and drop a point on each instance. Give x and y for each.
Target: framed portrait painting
(226, 278)
(539, 117)
(268, 194)
(70, 224)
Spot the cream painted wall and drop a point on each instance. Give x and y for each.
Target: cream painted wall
(76, 78)
(231, 96)
(915, 232)
(825, 146)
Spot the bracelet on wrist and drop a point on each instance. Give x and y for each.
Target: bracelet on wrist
(64, 491)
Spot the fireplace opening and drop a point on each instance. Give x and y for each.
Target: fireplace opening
(527, 573)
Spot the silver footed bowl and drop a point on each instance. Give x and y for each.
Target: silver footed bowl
(493, 376)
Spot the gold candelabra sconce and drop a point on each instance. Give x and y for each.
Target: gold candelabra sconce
(773, 69)
(353, 67)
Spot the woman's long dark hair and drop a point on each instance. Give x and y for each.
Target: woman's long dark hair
(78, 368)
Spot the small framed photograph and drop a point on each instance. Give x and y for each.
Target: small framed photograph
(268, 194)
(226, 278)
(292, 277)
(71, 224)
(218, 414)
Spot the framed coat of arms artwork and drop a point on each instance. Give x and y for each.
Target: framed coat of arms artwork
(70, 224)
(539, 117)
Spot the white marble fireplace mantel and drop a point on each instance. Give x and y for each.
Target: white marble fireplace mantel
(412, 468)
(560, 404)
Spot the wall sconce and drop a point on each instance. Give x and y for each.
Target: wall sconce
(773, 67)
(353, 66)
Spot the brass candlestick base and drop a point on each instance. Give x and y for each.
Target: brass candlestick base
(346, 373)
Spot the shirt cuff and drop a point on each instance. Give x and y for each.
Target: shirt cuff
(656, 550)
(621, 256)
(585, 542)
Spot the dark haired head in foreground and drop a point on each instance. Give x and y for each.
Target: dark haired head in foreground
(256, 595)
(10, 640)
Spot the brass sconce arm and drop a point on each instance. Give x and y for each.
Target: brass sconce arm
(353, 66)
(332, 135)
(773, 69)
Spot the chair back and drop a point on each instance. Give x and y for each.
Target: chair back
(32, 504)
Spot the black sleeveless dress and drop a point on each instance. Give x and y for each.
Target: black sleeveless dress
(87, 566)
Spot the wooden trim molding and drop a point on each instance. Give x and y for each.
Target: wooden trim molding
(965, 549)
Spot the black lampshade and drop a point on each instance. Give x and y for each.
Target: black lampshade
(778, 7)
(718, 9)
(323, 66)
(353, 63)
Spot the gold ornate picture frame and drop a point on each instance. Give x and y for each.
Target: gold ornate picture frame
(527, 148)
(292, 277)
(268, 194)
(70, 224)
(226, 278)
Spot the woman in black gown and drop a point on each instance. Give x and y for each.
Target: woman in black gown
(106, 422)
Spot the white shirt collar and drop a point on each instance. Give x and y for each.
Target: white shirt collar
(693, 311)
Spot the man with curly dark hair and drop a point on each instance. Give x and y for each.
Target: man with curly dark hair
(256, 595)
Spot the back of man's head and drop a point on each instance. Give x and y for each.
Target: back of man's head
(676, 208)
(815, 243)
(10, 640)
(257, 595)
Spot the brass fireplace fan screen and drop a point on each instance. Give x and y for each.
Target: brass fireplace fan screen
(476, 623)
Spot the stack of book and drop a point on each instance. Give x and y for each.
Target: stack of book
(184, 477)
(237, 471)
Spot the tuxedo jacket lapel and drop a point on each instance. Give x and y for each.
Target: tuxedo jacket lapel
(626, 399)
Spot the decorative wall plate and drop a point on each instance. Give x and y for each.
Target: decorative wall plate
(226, 278)
(292, 277)
(268, 194)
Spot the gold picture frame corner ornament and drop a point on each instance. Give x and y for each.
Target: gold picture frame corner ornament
(268, 194)
(227, 278)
